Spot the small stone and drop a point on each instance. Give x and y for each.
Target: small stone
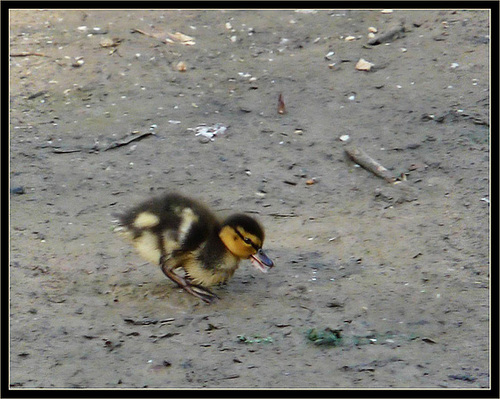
(181, 66)
(17, 190)
(78, 63)
(363, 65)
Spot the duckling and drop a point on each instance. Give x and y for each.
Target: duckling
(179, 233)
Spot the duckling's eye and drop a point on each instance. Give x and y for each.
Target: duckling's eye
(247, 241)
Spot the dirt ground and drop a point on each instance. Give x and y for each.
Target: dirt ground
(375, 286)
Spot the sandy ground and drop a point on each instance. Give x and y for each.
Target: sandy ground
(395, 278)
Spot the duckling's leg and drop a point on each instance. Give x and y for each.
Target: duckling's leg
(199, 292)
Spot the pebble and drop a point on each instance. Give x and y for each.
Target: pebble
(363, 65)
(17, 190)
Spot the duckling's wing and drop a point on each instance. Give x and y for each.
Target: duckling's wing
(181, 221)
(193, 228)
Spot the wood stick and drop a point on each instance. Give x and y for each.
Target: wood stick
(367, 162)
(283, 215)
(391, 35)
(157, 35)
(65, 151)
(127, 141)
(27, 54)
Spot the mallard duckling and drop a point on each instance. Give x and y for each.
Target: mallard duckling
(177, 232)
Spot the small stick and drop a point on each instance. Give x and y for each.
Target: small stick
(65, 151)
(389, 36)
(160, 35)
(283, 215)
(364, 160)
(281, 105)
(127, 141)
(27, 54)
(141, 32)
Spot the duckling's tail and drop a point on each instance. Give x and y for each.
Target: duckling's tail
(118, 221)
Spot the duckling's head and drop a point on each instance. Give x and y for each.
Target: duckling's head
(244, 237)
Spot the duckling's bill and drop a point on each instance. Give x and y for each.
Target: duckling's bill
(261, 261)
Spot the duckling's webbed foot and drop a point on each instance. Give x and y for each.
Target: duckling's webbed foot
(202, 293)
(199, 292)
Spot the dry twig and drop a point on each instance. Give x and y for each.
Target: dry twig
(27, 54)
(127, 141)
(367, 162)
